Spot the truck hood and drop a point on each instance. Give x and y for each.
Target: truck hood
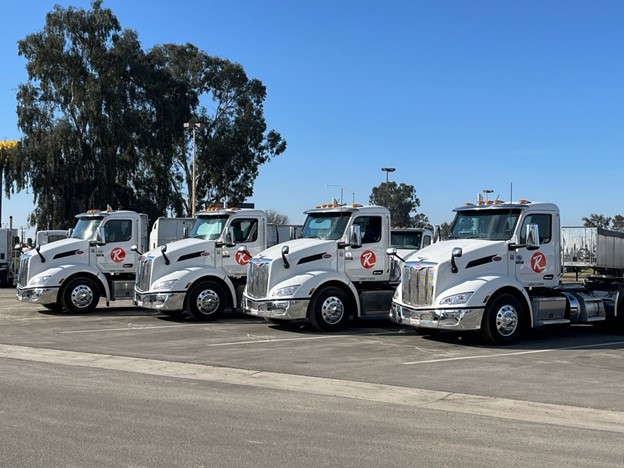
(61, 248)
(307, 250)
(183, 247)
(473, 250)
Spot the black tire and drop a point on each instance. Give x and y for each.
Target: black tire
(503, 320)
(80, 295)
(206, 301)
(329, 309)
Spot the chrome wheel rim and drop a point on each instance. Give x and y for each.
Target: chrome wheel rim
(208, 302)
(506, 320)
(332, 310)
(82, 296)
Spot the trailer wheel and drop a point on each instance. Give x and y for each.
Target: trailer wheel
(80, 295)
(503, 320)
(206, 301)
(329, 309)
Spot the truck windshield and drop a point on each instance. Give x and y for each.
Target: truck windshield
(482, 224)
(329, 226)
(86, 228)
(208, 227)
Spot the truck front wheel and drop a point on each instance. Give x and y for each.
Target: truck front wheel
(329, 309)
(206, 301)
(503, 320)
(80, 295)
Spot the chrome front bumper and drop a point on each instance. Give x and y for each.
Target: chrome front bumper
(292, 309)
(441, 319)
(37, 295)
(160, 300)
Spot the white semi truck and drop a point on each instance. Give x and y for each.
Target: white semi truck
(204, 274)
(95, 262)
(338, 269)
(500, 272)
(7, 242)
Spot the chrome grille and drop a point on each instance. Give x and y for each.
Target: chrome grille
(22, 273)
(258, 277)
(417, 284)
(144, 273)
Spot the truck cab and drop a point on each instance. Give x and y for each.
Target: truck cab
(338, 268)
(499, 272)
(205, 273)
(95, 261)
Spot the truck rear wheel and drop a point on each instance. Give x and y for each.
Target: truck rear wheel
(206, 300)
(80, 295)
(503, 320)
(329, 309)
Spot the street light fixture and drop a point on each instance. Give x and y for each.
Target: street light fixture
(193, 126)
(387, 170)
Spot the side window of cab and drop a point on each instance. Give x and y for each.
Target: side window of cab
(544, 224)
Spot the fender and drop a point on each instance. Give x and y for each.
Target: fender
(187, 277)
(485, 287)
(61, 273)
(310, 281)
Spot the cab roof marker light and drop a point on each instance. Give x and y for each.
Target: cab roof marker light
(468, 204)
(523, 202)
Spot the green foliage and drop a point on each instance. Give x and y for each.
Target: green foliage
(401, 200)
(103, 122)
(597, 220)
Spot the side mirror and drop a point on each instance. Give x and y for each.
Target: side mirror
(355, 236)
(101, 235)
(455, 253)
(437, 233)
(185, 232)
(532, 237)
(135, 248)
(229, 237)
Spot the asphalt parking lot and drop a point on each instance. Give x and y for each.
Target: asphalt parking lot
(579, 366)
(568, 377)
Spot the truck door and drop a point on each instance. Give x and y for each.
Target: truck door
(370, 261)
(115, 256)
(539, 267)
(247, 233)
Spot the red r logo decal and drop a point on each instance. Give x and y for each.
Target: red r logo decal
(368, 259)
(242, 258)
(118, 255)
(538, 262)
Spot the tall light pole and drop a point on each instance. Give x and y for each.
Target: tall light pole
(193, 126)
(387, 170)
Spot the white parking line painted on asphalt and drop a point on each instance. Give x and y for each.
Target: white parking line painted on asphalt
(130, 327)
(517, 410)
(517, 353)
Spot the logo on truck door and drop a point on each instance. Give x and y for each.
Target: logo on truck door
(118, 255)
(242, 258)
(368, 259)
(538, 262)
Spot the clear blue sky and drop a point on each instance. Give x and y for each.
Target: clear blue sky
(458, 95)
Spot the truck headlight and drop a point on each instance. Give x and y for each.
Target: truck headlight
(455, 299)
(40, 280)
(162, 285)
(287, 291)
